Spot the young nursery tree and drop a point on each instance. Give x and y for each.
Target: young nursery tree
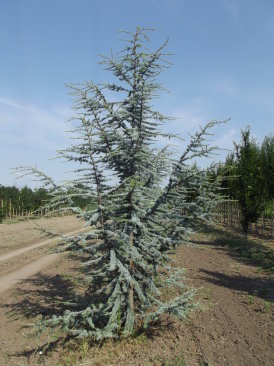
(267, 165)
(2, 214)
(141, 192)
(247, 185)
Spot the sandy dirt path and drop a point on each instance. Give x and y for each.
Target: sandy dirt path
(24, 272)
(19, 264)
(17, 252)
(24, 233)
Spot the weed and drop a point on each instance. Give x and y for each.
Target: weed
(11, 221)
(76, 353)
(141, 339)
(267, 306)
(70, 359)
(259, 269)
(250, 250)
(84, 348)
(250, 299)
(177, 361)
(207, 294)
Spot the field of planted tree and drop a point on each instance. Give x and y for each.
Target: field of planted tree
(136, 261)
(231, 324)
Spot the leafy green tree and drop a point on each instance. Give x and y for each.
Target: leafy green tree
(141, 192)
(26, 198)
(2, 214)
(40, 198)
(9, 196)
(267, 166)
(247, 183)
(9, 193)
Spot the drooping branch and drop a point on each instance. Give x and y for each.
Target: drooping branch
(195, 148)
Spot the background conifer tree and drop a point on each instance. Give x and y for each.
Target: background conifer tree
(247, 184)
(141, 192)
(267, 165)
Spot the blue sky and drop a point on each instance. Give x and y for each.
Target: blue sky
(223, 57)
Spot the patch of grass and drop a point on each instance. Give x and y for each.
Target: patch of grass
(206, 293)
(267, 306)
(250, 250)
(75, 354)
(74, 280)
(70, 359)
(11, 221)
(90, 353)
(261, 256)
(250, 299)
(141, 339)
(176, 361)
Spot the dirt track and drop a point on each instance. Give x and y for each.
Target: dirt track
(17, 252)
(19, 264)
(26, 271)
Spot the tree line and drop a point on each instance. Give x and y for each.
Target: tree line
(13, 199)
(21, 198)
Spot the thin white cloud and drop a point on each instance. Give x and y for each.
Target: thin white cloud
(31, 134)
(189, 118)
(10, 103)
(225, 141)
(227, 86)
(224, 84)
(233, 9)
(175, 8)
(270, 24)
(29, 124)
(190, 115)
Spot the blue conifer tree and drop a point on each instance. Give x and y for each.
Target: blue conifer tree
(142, 193)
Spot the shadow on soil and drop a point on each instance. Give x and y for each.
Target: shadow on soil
(45, 350)
(44, 296)
(249, 251)
(260, 287)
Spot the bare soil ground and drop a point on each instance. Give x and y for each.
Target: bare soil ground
(23, 259)
(232, 326)
(15, 236)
